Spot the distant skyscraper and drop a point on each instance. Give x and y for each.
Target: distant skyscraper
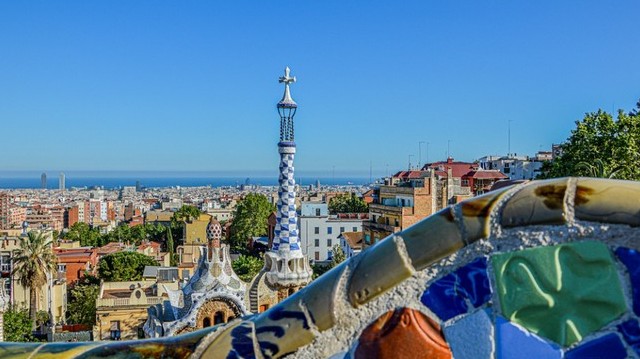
(43, 181)
(61, 184)
(138, 186)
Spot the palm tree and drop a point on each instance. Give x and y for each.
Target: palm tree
(32, 263)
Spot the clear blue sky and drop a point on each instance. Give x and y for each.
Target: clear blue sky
(192, 85)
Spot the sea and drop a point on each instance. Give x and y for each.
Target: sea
(115, 182)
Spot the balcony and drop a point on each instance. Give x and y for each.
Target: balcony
(381, 208)
(125, 302)
(373, 226)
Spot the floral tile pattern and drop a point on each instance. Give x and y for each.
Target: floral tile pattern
(563, 292)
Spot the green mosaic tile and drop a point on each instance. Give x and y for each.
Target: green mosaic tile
(562, 292)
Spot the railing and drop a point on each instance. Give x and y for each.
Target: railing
(123, 302)
(381, 208)
(380, 226)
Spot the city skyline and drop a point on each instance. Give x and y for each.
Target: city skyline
(160, 87)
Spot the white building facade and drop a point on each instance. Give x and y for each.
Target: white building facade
(514, 166)
(319, 231)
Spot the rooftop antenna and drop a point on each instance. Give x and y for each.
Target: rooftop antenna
(410, 162)
(427, 152)
(509, 138)
(448, 149)
(420, 153)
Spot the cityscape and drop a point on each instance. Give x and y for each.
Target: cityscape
(314, 232)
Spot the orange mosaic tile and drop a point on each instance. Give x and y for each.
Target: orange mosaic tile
(403, 333)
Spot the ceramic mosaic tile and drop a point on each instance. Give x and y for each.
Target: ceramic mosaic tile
(631, 259)
(452, 294)
(513, 342)
(607, 347)
(403, 333)
(630, 331)
(470, 337)
(551, 298)
(563, 293)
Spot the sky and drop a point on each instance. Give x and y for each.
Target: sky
(192, 85)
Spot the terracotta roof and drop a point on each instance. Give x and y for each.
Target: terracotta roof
(410, 174)
(354, 239)
(458, 169)
(486, 174)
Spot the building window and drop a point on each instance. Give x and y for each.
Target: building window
(317, 256)
(397, 223)
(316, 230)
(329, 255)
(318, 212)
(316, 242)
(367, 238)
(329, 242)
(341, 229)
(114, 330)
(355, 229)
(329, 230)
(218, 318)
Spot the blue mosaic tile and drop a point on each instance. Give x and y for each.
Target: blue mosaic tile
(515, 342)
(448, 296)
(630, 330)
(631, 259)
(470, 337)
(607, 347)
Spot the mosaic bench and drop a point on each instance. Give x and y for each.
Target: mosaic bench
(547, 269)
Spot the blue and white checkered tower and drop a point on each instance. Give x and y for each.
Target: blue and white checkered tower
(285, 262)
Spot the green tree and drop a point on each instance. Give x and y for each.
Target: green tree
(337, 256)
(600, 146)
(347, 203)
(319, 269)
(17, 325)
(83, 233)
(171, 248)
(250, 220)
(186, 213)
(246, 267)
(81, 307)
(32, 263)
(124, 266)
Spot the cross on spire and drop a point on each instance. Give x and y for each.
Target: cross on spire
(286, 79)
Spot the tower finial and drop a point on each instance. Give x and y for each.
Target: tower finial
(287, 101)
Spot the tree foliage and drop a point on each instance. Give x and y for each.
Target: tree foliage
(246, 267)
(600, 146)
(250, 220)
(81, 306)
(17, 325)
(84, 234)
(124, 266)
(92, 237)
(347, 203)
(186, 213)
(32, 263)
(337, 257)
